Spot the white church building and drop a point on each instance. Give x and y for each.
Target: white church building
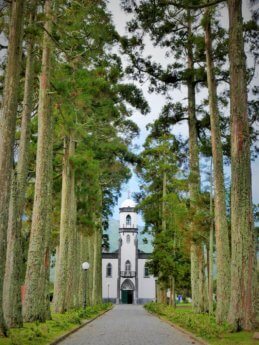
(125, 276)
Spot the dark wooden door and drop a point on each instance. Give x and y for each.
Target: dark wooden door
(127, 296)
(124, 296)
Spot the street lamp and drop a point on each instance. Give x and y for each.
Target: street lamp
(108, 286)
(85, 267)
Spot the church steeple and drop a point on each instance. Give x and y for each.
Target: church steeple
(128, 216)
(128, 252)
(124, 271)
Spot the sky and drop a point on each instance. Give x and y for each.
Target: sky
(157, 101)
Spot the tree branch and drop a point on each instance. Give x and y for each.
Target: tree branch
(190, 7)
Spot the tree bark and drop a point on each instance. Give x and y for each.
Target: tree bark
(98, 299)
(202, 287)
(12, 305)
(211, 248)
(172, 292)
(90, 258)
(46, 266)
(221, 224)
(97, 257)
(12, 280)
(66, 231)
(35, 299)
(242, 299)
(164, 202)
(7, 131)
(194, 177)
(72, 283)
(161, 293)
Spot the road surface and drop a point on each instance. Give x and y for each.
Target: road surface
(128, 325)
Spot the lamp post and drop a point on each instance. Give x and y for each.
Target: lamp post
(85, 267)
(108, 286)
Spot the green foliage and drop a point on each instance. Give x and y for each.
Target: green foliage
(202, 325)
(92, 105)
(163, 203)
(44, 333)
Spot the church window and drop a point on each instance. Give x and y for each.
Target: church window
(127, 266)
(146, 271)
(128, 239)
(128, 220)
(109, 270)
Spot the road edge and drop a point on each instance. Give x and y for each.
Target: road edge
(179, 328)
(84, 323)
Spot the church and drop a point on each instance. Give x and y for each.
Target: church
(125, 275)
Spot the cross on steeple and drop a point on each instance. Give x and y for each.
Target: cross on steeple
(128, 194)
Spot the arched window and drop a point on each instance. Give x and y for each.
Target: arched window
(127, 266)
(128, 220)
(128, 239)
(109, 270)
(146, 271)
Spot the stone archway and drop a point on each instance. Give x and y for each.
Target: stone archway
(127, 292)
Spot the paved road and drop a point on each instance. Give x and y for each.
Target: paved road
(128, 325)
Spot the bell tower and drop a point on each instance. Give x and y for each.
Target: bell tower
(127, 289)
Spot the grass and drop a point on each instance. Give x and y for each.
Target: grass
(44, 333)
(202, 325)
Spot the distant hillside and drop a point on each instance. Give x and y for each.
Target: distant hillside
(113, 233)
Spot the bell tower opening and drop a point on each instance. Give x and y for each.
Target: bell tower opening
(128, 220)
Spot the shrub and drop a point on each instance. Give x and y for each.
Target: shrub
(202, 325)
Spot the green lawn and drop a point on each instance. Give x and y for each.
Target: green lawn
(202, 325)
(45, 333)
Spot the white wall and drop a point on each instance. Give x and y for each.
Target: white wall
(128, 250)
(111, 281)
(147, 286)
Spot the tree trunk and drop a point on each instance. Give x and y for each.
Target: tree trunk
(56, 268)
(66, 232)
(72, 282)
(194, 177)
(221, 225)
(211, 248)
(96, 263)
(77, 299)
(202, 288)
(12, 281)
(7, 131)
(164, 202)
(161, 293)
(46, 266)
(35, 300)
(172, 292)
(98, 298)
(90, 273)
(82, 251)
(241, 312)
(12, 305)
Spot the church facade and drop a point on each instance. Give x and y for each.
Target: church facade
(125, 275)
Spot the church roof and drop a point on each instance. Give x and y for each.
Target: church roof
(128, 203)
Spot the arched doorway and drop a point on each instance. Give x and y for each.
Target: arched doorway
(127, 292)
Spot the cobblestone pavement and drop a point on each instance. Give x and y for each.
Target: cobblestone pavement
(128, 325)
